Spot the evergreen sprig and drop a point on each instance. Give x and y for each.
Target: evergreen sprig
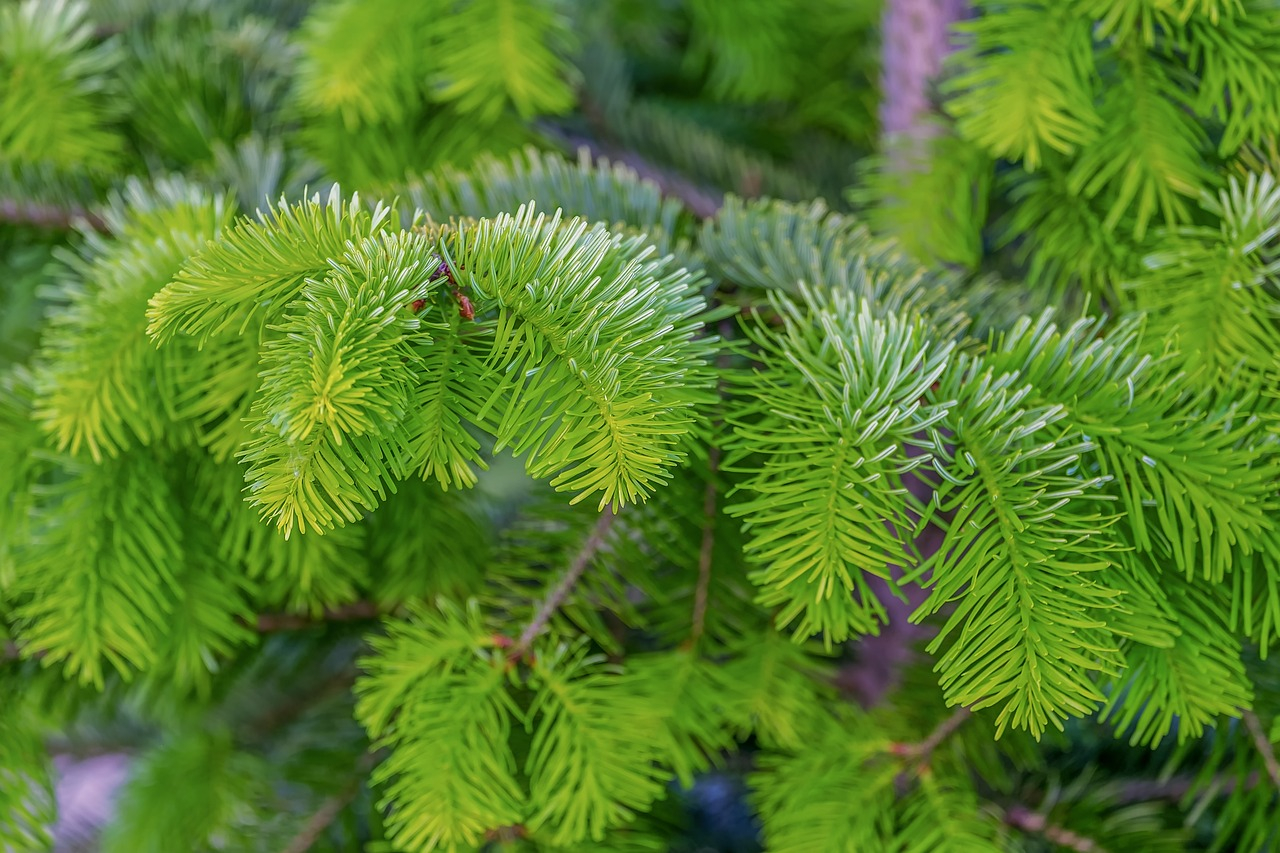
(824, 436)
(257, 524)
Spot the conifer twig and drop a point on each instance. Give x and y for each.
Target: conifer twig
(1026, 820)
(299, 702)
(1145, 790)
(329, 810)
(273, 623)
(705, 549)
(942, 731)
(557, 596)
(1263, 744)
(701, 202)
(318, 822)
(916, 755)
(269, 623)
(922, 750)
(16, 212)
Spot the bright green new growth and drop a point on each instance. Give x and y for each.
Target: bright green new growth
(351, 379)
(621, 486)
(837, 401)
(1066, 464)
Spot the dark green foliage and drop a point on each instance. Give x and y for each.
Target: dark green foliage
(383, 475)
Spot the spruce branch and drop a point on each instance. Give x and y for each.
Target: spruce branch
(557, 596)
(1263, 745)
(590, 187)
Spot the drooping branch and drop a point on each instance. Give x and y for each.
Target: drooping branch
(557, 596)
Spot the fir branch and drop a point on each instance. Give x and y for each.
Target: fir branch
(12, 652)
(556, 597)
(1022, 818)
(1263, 744)
(822, 442)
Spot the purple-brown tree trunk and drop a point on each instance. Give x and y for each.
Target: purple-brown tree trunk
(916, 38)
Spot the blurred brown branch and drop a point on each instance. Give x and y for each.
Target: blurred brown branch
(14, 212)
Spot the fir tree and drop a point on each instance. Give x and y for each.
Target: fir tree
(383, 468)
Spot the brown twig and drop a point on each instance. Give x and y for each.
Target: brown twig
(921, 751)
(329, 811)
(1263, 744)
(507, 834)
(916, 756)
(273, 623)
(299, 702)
(15, 212)
(1026, 820)
(268, 623)
(701, 202)
(557, 596)
(705, 549)
(1174, 789)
